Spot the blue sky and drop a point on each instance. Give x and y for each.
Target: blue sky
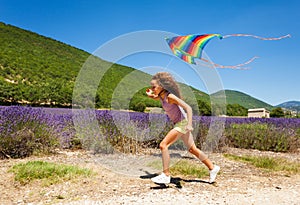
(272, 78)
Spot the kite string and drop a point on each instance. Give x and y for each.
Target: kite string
(258, 37)
(169, 62)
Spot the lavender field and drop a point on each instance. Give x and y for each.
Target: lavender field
(26, 130)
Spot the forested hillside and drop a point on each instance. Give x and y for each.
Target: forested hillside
(37, 70)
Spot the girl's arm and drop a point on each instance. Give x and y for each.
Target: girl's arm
(175, 100)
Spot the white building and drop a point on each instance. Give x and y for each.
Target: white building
(259, 112)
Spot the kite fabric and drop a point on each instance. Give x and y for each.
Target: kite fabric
(190, 47)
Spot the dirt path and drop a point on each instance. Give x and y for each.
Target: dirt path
(125, 180)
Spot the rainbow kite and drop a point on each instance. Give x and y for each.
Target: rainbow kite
(190, 47)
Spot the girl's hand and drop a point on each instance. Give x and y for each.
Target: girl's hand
(189, 128)
(150, 93)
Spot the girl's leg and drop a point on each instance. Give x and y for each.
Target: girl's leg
(190, 144)
(170, 138)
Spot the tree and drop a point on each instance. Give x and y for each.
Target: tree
(139, 107)
(204, 108)
(236, 110)
(277, 112)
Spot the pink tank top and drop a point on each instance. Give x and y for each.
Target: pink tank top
(174, 112)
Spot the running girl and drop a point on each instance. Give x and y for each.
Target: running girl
(165, 89)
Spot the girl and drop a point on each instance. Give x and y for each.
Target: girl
(165, 89)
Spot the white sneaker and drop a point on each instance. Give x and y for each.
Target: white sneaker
(161, 179)
(213, 173)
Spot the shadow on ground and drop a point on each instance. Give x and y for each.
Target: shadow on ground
(175, 181)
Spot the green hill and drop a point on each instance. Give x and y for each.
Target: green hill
(41, 71)
(36, 69)
(236, 97)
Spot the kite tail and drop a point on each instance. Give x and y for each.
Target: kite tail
(258, 37)
(238, 66)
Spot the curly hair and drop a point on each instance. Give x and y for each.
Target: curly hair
(167, 82)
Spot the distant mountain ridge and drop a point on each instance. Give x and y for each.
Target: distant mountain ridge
(291, 105)
(39, 70)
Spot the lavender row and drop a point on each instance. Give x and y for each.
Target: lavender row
(105, 130)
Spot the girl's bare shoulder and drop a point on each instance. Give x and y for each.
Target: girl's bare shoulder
(173, 99)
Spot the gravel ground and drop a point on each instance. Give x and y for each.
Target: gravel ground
(125, 179)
